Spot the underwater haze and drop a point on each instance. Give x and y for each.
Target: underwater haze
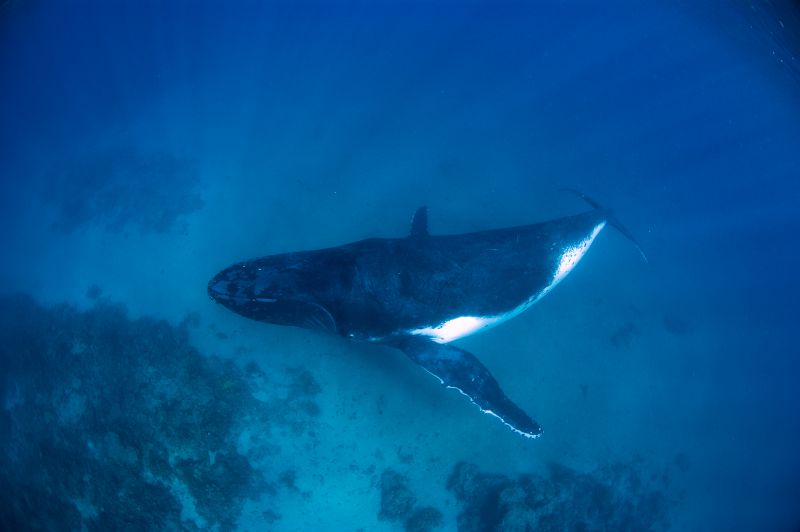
(145, 146)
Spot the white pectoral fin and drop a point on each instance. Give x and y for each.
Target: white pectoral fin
(461, 370)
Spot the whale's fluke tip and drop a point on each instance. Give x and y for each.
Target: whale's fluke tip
(612, 219)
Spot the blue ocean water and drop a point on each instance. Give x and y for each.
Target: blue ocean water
(146, 146)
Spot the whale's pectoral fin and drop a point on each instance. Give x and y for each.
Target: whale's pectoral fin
(461, 370)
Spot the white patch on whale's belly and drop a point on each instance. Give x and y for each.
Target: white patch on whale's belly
(465, 325)
(458, 328)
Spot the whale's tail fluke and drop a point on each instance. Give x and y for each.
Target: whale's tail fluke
(612, 219)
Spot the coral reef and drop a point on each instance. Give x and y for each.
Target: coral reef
(614, 497)
(398, 501)
(109, 423)
(424, 520)
(117, 424)
(124, 189)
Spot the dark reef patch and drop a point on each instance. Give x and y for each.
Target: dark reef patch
(94, 292)
(397, 500)
(479, 494)
(218, 484)
(615, 497)
(623, 336)
(118, 424)
(123, 189)
(424, 520)
(398, 504)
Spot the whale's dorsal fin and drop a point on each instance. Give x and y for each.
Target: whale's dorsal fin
(419, 223)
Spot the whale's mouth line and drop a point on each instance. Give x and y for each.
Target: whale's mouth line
(219, 290)
(241, 299)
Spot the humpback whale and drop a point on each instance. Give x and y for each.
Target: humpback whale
(421, 292)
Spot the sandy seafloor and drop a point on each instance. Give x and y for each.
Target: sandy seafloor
(288, 128)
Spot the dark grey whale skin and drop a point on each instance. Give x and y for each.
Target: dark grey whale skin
(382, 289)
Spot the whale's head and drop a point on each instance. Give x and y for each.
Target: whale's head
(275, 289)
